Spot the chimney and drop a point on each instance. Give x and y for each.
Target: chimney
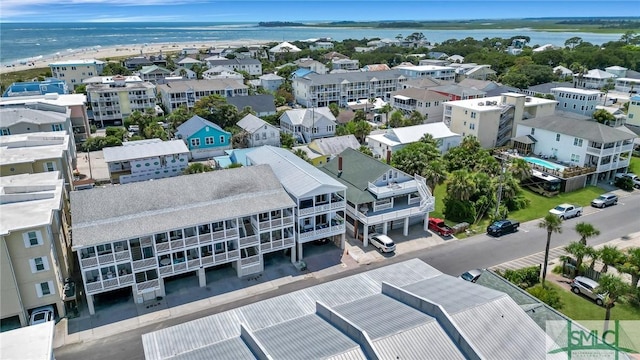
(339, 165)
(389, 157)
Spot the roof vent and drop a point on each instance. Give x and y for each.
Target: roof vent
(481, 104)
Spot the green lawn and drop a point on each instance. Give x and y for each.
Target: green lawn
(581, 308)
(634, 166)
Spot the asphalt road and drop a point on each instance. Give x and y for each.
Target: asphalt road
(453, 258)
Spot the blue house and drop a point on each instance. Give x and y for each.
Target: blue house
(204, 138)
(30, 88)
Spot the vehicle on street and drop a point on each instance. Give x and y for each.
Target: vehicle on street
(438, 226)
(382, 242)
(41, 315)
(585, 286)
(634, 178)
(605, 200)
(501, 227)
(566, 211)
(471, 275)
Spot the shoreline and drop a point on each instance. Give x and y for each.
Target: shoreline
(102, 53)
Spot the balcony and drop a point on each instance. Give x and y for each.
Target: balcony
(399, 211)
(249, 261)
(177, 244)
(89, 262)
(144, 264)
(393, 188)
(151, 284)
(249, 241)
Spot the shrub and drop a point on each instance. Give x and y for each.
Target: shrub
(547, 295)
(93, 129)
(624, 183)
(525, 277)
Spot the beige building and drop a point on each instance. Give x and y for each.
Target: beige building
(493, 119)
(186, 93)
(36, 153)
(114, 98)
(35, 249)
(74, 71)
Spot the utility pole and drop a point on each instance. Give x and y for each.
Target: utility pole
(504, 169)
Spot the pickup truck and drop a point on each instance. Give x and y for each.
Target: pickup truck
(634, 178)
(502, 227)
(566, 211)
(438, 226)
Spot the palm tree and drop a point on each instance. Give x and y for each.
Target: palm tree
(631, 265)
(461, 185)
(586, 230)
(594, 255)
(552, 224)
(578, 250)
(361, 130)
(610, 256)
(612, 288)
(386, 109)
(301, 154)
(520, 169)
(434, 174)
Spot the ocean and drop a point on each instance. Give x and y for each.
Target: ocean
(20, 41)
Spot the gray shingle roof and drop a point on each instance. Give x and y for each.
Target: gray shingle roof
(251, 123)
(12, 116)
(585, 129)
(335, 145)
(458, 90)
(222, 62)
(193, 125)
(137, 209)
(298, 177)
(421, 94)
(258, 103)
(308, 117)
(144, 150)
(397, 306)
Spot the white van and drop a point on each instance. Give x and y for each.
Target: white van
(382, 242)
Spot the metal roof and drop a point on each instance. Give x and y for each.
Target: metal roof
(309, 117)
(143, 208)
(201, 85)
(368, 315)
(144, 150)
(335, 145)
(298, 177)
(258, 103)
(29, 342)
(584, 129)
(350, 77)
(195, 124)
(12, 116)
(251, 123)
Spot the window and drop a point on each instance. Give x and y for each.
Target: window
(472, 126)
(533, 131)
(32, 238)
(195, 142)
(221, 139)
(264, 136)
(49, 166)
(575, 158)
(208, 140)
(5, 131)
(257, 137)
(473, 114)
(557, 137)
(45, 288)
(577, 142)
(39, 264)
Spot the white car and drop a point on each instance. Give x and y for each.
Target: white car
(382, 242)
(42, 315)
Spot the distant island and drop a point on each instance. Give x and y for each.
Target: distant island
(279, 24)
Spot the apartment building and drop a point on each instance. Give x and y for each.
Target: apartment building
(308, 124)
(185, 93)
(443, 73)
(74, 102)
(492, 119)
(114, 98)
(633, 115)
(429, 104)
(225, 218)
(251, 66)
(345, 64)
(35, 251)
(315, 90)
(36, 153)
(145, 160)
(579, 101)
(30, 88)
(153, 74)
(73, 72)
(320, 199)
(379, 197)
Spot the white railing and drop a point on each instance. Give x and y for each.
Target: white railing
(191, 241)
(166, 270)
(89, 262)
(144, 263)
(265, 246)
(287, 220)
(177, 244)
(276, 222)
(204, 238)
(593, 150)
(94, 286)
(306, 211)
(250, 260)
(249, 240)
(414, 200)
(110, 283)
(232, 232)
(180, 266)
(195, 263)
(162, 247)
(220, 257)
(383, 206)
(337, 228)
(264, 225)
(126, 279)
(207, 260)
(123, 255)
(233, 255)
(147, 285)
(105, 259)
(337, 204)
(289, 241)
(218, 235)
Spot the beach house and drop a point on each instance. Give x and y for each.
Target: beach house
(204, 138)
(74, 71)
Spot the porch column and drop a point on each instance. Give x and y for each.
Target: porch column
(92, 311)
(365, 235)
(24, 320)
(300, 251)
(343, 239)
(202, 277)
(384, 228)
(293, 252)
(161, 291)
(425, 222)
(405, 230)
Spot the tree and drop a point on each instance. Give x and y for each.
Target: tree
(302, 155)
(335, 109)
(240, 140)
(603, 116)
(415, 118)
(396, 119)
(610, 256)
(216, 109)
(519, 168)
(196, 168)
(287, 140)
(578, 250)
(631, 265)
(361, 130)
(611, 288)
(552, 224)
(386, 109)
(630, 37)
(179, 116)
(359, 116)
(571, 43)
(365, 150)
(80, 89)
(586, 230)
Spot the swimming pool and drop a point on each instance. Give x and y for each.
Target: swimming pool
(543, 163)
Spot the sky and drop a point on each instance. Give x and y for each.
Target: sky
(303, 10)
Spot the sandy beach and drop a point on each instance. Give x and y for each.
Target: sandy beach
(103, 53)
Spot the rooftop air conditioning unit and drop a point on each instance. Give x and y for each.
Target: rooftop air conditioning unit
(481, 104)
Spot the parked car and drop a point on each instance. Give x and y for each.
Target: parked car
(605, 200)
(471, 275)
(438, 226)
(41, 315)
(634, 178)
(566, 211)
(585, 286)
(502, 227)
(382, 242)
